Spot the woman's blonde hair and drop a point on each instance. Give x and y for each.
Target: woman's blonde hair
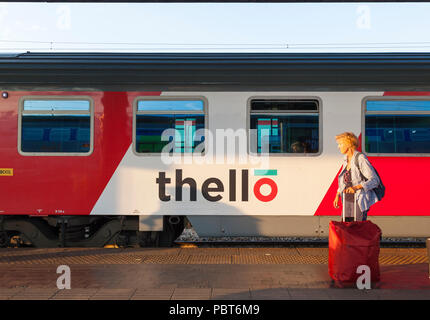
(349, 139)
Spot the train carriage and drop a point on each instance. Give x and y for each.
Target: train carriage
(123, 149)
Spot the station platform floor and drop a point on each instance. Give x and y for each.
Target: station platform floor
(202, 274)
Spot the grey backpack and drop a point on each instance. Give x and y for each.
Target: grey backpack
(380, 189)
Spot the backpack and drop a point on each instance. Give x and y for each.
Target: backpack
(380, 189)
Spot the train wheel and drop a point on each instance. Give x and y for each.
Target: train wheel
(174, 226)
(4, 239)
(147, 238)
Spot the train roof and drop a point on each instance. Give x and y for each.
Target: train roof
(217, 71)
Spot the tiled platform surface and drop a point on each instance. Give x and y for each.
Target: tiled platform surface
(31, 274)
(213, 294)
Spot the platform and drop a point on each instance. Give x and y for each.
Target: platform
(202, 273)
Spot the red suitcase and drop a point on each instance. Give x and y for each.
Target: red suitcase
(352, 244)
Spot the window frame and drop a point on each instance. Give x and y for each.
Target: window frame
(274, 97)
(364, 112)
(53, 97)
(168, 98)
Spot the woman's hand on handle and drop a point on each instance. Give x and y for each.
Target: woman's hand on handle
(353, 189)
(349, 190)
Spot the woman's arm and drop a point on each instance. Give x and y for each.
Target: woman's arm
(336, 200)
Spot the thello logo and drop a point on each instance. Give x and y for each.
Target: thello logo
(212, 188)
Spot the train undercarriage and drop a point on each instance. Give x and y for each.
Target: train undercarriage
(86, 231)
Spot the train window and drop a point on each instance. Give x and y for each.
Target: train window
(55, 126)
(153, 116)
(285, 126)
(397, 127)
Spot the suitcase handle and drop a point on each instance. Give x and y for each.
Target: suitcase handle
(354, 206)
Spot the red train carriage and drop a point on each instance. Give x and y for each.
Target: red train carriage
(99, 149)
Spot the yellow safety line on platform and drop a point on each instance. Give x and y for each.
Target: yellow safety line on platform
(191, 254)
(142, 258)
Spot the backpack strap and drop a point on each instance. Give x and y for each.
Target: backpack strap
(358, 165)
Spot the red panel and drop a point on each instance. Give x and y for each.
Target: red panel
(411, 93)
(405, 180)
(64, 184)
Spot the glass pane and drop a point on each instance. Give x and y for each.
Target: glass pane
(398, 105)
(47, 133)
(286, 133)
(56, 105)
(170, 105)
(149, 129)
(284, 105)
(397, 134)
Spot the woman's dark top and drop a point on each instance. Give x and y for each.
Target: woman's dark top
(348, 183)
(348, 197)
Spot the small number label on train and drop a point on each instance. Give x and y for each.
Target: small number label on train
(6, 172)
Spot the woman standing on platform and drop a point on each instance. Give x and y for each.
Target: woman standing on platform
(355, 182)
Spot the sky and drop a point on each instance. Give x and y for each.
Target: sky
(215, 27)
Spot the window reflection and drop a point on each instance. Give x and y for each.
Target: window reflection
(56, 126)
